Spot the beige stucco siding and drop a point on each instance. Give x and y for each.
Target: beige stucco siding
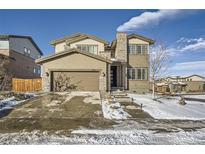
(136, 41)
(88, 42)
(4, 52)
(139, 86)
(139, 61)
(60, 47)
(195, 86)
(196, 78)
(74, 61)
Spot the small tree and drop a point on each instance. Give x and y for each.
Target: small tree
(159, 58)
(5, 76)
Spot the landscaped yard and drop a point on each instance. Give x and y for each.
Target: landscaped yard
(82, 118)
(169, 108)
(60, 111)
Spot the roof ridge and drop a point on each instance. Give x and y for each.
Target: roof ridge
(76, 35)
(69, 51)
(23, 36)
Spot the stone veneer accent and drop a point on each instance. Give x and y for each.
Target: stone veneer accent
(46, 82)
(102, 80)
(121, 47)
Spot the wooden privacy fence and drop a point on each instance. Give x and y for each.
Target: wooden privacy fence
(26, 85)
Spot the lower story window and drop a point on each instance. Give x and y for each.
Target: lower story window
(137, 73)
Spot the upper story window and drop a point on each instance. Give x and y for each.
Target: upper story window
(36, 71)
(112, 54)
(27, 51)
(4, 44)
(89, 48)
(137, 73)
(137, 49)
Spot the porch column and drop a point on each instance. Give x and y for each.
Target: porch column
(108, 77)
(124, 76)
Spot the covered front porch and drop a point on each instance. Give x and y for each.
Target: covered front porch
(118, 76)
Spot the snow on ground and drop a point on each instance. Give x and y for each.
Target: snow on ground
(142, 137)
(113, 110)
(121, 134)
(9, 103)
(169, 107)
(195, 96)
(90, 97)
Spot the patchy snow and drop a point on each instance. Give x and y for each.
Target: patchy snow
(169, 108)
(28, 95)
(90, 97)
(142, 137)
(93, 98)
(113, 110)
(113, 59)
(53, 103)
(9, 103)
(131, 107)
(127, 133)
(195, 96)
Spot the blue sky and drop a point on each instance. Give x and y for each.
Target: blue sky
(182, 31)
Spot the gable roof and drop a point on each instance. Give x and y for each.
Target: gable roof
(184, 77)
(73, 50)
(195, 75)
(77, 37)
(150, 41)
(21, 36)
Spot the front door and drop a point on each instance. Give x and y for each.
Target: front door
(113, 77)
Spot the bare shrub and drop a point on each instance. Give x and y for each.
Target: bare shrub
(159, 60)
(5, 75)
(63, 83)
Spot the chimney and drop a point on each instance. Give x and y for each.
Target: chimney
(121, 47)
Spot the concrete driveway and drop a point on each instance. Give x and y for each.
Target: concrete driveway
(57, 111)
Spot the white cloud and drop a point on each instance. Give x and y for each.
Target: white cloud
(194, 45)
(149, 18)
(188, 68)
(187, 45)
(189, 40)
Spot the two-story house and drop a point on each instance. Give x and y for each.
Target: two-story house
(86, 62)
(22, 52)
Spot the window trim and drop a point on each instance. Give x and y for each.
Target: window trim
(136, 50)
(136, 73)
(77, 45)
(27, 52)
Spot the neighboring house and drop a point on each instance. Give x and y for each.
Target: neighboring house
(86, 62)
(22, 52)
(170, 87)
(192, 83)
